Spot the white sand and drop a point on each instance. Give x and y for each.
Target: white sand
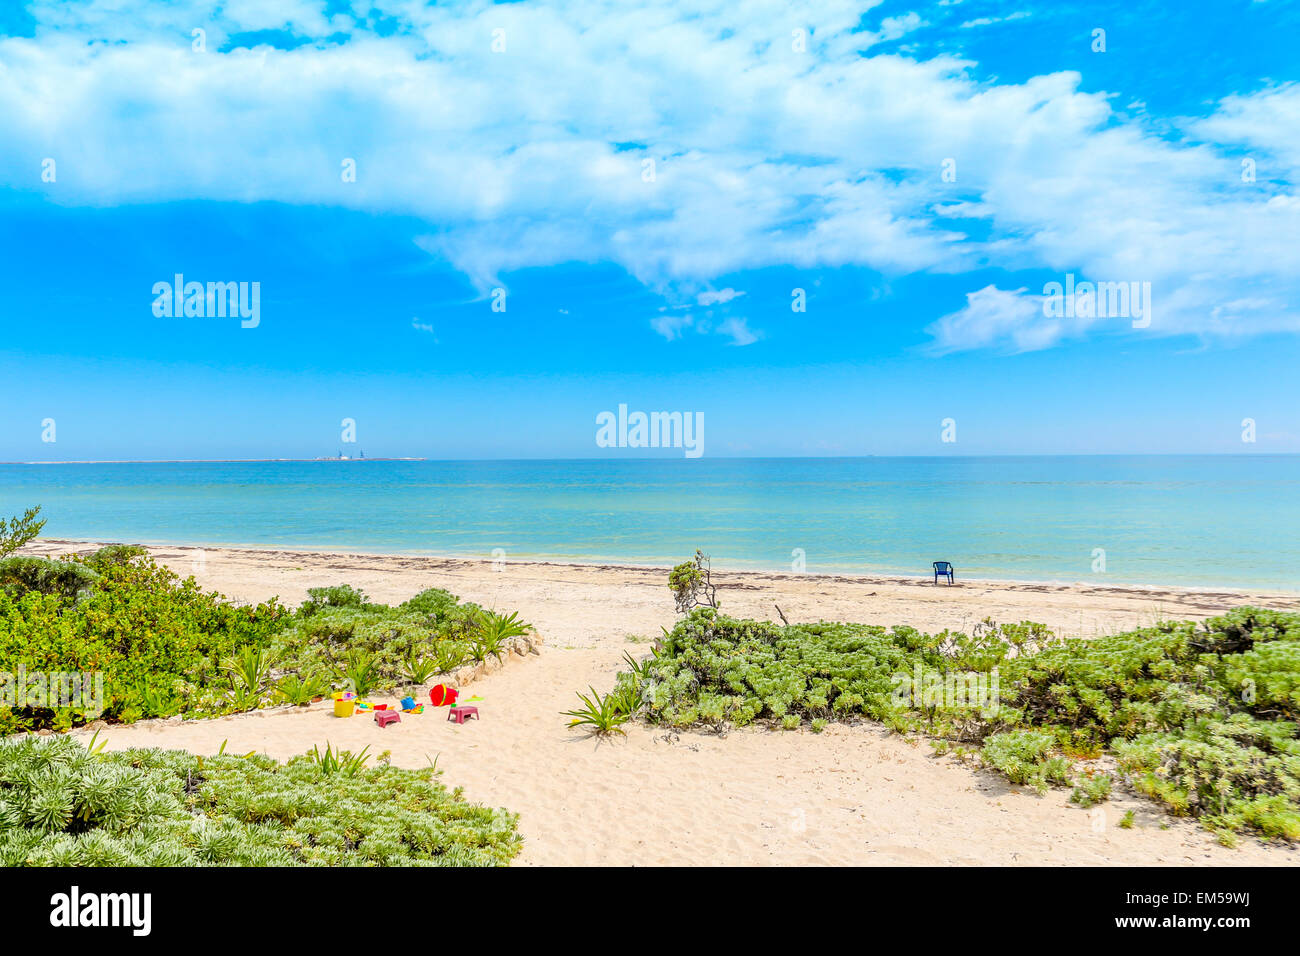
(851, 795)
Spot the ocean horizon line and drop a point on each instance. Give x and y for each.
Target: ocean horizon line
(662, 457)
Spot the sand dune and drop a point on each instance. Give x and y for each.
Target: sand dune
(851, 795)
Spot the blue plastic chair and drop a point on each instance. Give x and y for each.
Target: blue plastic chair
(941, 568)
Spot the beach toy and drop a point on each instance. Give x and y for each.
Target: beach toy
(441, 695)
(417, 709)
(408, 703)
(343, 707)
(381, 706)
(343, 695)
(459, 714)
(385, 717)
(365, 705)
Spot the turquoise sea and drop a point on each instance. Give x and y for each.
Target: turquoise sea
(1229, 521)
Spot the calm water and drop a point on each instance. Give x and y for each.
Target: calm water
(1203, 520)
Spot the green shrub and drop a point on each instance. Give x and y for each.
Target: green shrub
(62, 805)
(711, 668)
(1021, 755)
(1091, 789)
(1220, 767)
(158, 641)
(115, 555)
(378, 647)
(166, 647)
(1202, 717)
(67, 580)
(1267, 678)
(343, 595)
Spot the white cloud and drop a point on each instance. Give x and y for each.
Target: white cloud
(989, 21)
(674, 327)
(671, 327)
(719, 297)
(738, 331)
(892, 28)
(763, 156)
(1266, 122)
(993, 317)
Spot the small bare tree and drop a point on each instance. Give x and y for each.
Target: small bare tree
(692, 585)
(19, 531)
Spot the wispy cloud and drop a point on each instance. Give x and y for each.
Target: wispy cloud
(674, 327)
(720, 297)
(989, 21)
(738, 331)
(671, 327)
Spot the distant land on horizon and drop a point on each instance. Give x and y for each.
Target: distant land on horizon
(195, 461)
(290, 460)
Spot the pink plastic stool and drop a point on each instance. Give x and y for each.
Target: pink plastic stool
(385, 717)
(459, 714)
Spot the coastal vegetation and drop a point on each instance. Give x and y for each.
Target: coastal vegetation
(66, 804)
(1203, 718)
(338, 635)
(692, 584)
(165, 647)
(19, 530)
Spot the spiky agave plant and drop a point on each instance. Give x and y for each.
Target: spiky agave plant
(601, 714)
(449, 655)
(418, 667)
(492, 630)
(629, 687)
(341, 761)
(361, 670)
(300, 689)
(249, 671)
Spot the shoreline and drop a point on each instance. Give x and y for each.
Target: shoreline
(594, 603)
(844, 576)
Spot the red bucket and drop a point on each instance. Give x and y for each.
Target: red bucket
(440, 695)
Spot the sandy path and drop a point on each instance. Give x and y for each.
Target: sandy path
(851, 795)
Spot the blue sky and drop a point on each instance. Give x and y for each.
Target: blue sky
(794, 146)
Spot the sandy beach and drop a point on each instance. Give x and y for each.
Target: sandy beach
(851, 795)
